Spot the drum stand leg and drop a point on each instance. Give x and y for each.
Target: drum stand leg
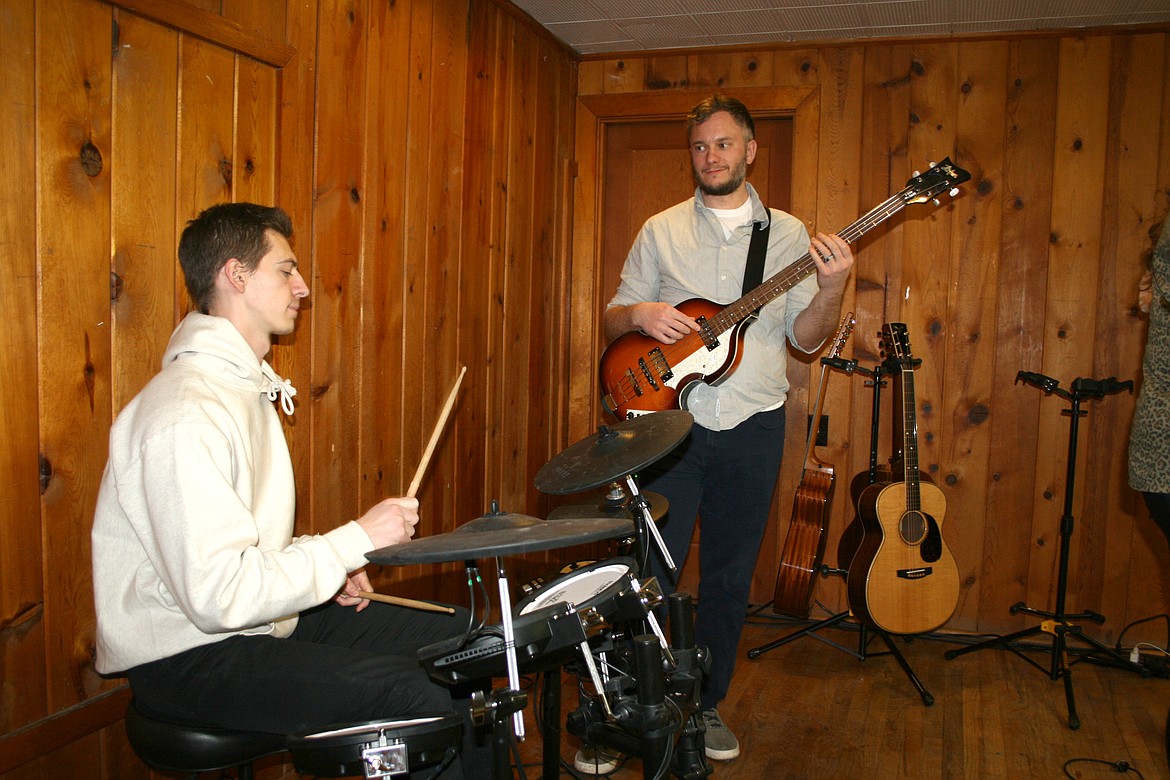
(550, 728)
(497, 708)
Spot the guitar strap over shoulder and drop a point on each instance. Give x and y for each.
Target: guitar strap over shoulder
(753, 272)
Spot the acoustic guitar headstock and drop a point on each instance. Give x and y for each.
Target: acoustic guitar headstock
(895, 345)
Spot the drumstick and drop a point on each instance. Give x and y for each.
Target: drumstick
(423, 605)
(426, 457)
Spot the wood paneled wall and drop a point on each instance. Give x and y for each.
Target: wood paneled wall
(426, 150)
(1033, 267)
(422, 149)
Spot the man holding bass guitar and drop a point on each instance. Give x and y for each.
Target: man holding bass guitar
(726, 469)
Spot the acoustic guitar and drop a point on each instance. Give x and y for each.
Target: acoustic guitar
(804, 545)
(640, 374)
(853, 534)
(903, 578)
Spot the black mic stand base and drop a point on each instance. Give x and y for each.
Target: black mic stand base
(1061, 630)
(1058, 623)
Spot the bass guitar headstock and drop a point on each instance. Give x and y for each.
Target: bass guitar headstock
(942, 177)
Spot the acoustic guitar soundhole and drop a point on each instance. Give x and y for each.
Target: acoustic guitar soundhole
(912, 528)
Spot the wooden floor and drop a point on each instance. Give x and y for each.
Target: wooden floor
(809, 710)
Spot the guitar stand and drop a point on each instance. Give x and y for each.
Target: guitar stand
(1058, 623)
(862, 652)
(863, 640)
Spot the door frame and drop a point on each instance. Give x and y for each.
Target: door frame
(593, 114)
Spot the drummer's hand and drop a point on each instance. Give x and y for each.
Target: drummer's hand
(391, 521)
(354, 584)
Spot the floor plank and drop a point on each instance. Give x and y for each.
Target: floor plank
(810, 710)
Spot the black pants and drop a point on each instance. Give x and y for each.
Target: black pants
(1159, 505)
(727, 478)
(339, 667)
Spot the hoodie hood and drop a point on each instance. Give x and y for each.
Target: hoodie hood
(214, 346)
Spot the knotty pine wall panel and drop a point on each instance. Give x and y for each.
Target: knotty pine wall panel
(1034, 268)
(423, 150)
(22, 637)
(337, 285)
(963, 432)
(73, 131)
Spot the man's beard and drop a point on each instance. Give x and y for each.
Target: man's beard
(738, 174)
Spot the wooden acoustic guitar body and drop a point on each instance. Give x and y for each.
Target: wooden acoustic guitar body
(903, 578)
(804, 546)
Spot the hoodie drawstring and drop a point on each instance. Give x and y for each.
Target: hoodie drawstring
(281, 387)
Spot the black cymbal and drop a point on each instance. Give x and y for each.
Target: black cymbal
(615, 451)
(502, 533)
(610, 506)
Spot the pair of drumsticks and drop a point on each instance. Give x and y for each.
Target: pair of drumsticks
(418, 475)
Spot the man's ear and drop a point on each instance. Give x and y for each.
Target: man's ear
(235, 274)
(751, 151)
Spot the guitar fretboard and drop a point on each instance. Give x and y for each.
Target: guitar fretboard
(785, 280)
(910, 439)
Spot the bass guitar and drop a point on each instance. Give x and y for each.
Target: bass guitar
(903, 578)
(639, 374)
(804, 545)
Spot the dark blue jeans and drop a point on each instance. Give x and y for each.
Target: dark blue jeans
(727, 478)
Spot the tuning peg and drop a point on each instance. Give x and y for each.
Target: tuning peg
(935, 202)
(954, 192)
(917, 172)
(932, 163)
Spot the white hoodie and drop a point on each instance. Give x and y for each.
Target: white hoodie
(192, 535)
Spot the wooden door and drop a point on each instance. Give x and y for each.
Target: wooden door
(648, 169)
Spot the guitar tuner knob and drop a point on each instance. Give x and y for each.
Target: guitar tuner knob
(954, 193)
(917, 173)
(933, 163)
(934, 201)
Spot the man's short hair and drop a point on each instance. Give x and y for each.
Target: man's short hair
(716, 103)
(220, 233)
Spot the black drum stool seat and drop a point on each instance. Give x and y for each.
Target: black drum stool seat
(179, 747)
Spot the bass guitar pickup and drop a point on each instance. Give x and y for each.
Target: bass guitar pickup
(655, 368)
(707, 334)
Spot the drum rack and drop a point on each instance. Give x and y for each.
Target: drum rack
(655, 695)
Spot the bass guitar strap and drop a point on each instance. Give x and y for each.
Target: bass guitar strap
(753, 272)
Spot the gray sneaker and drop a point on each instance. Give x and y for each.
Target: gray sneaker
(721, 744)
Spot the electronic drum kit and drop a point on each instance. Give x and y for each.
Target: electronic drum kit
(596, 619)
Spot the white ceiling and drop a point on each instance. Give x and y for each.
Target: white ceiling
(607, 26)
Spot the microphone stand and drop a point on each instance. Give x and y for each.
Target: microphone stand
(1057, 622)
